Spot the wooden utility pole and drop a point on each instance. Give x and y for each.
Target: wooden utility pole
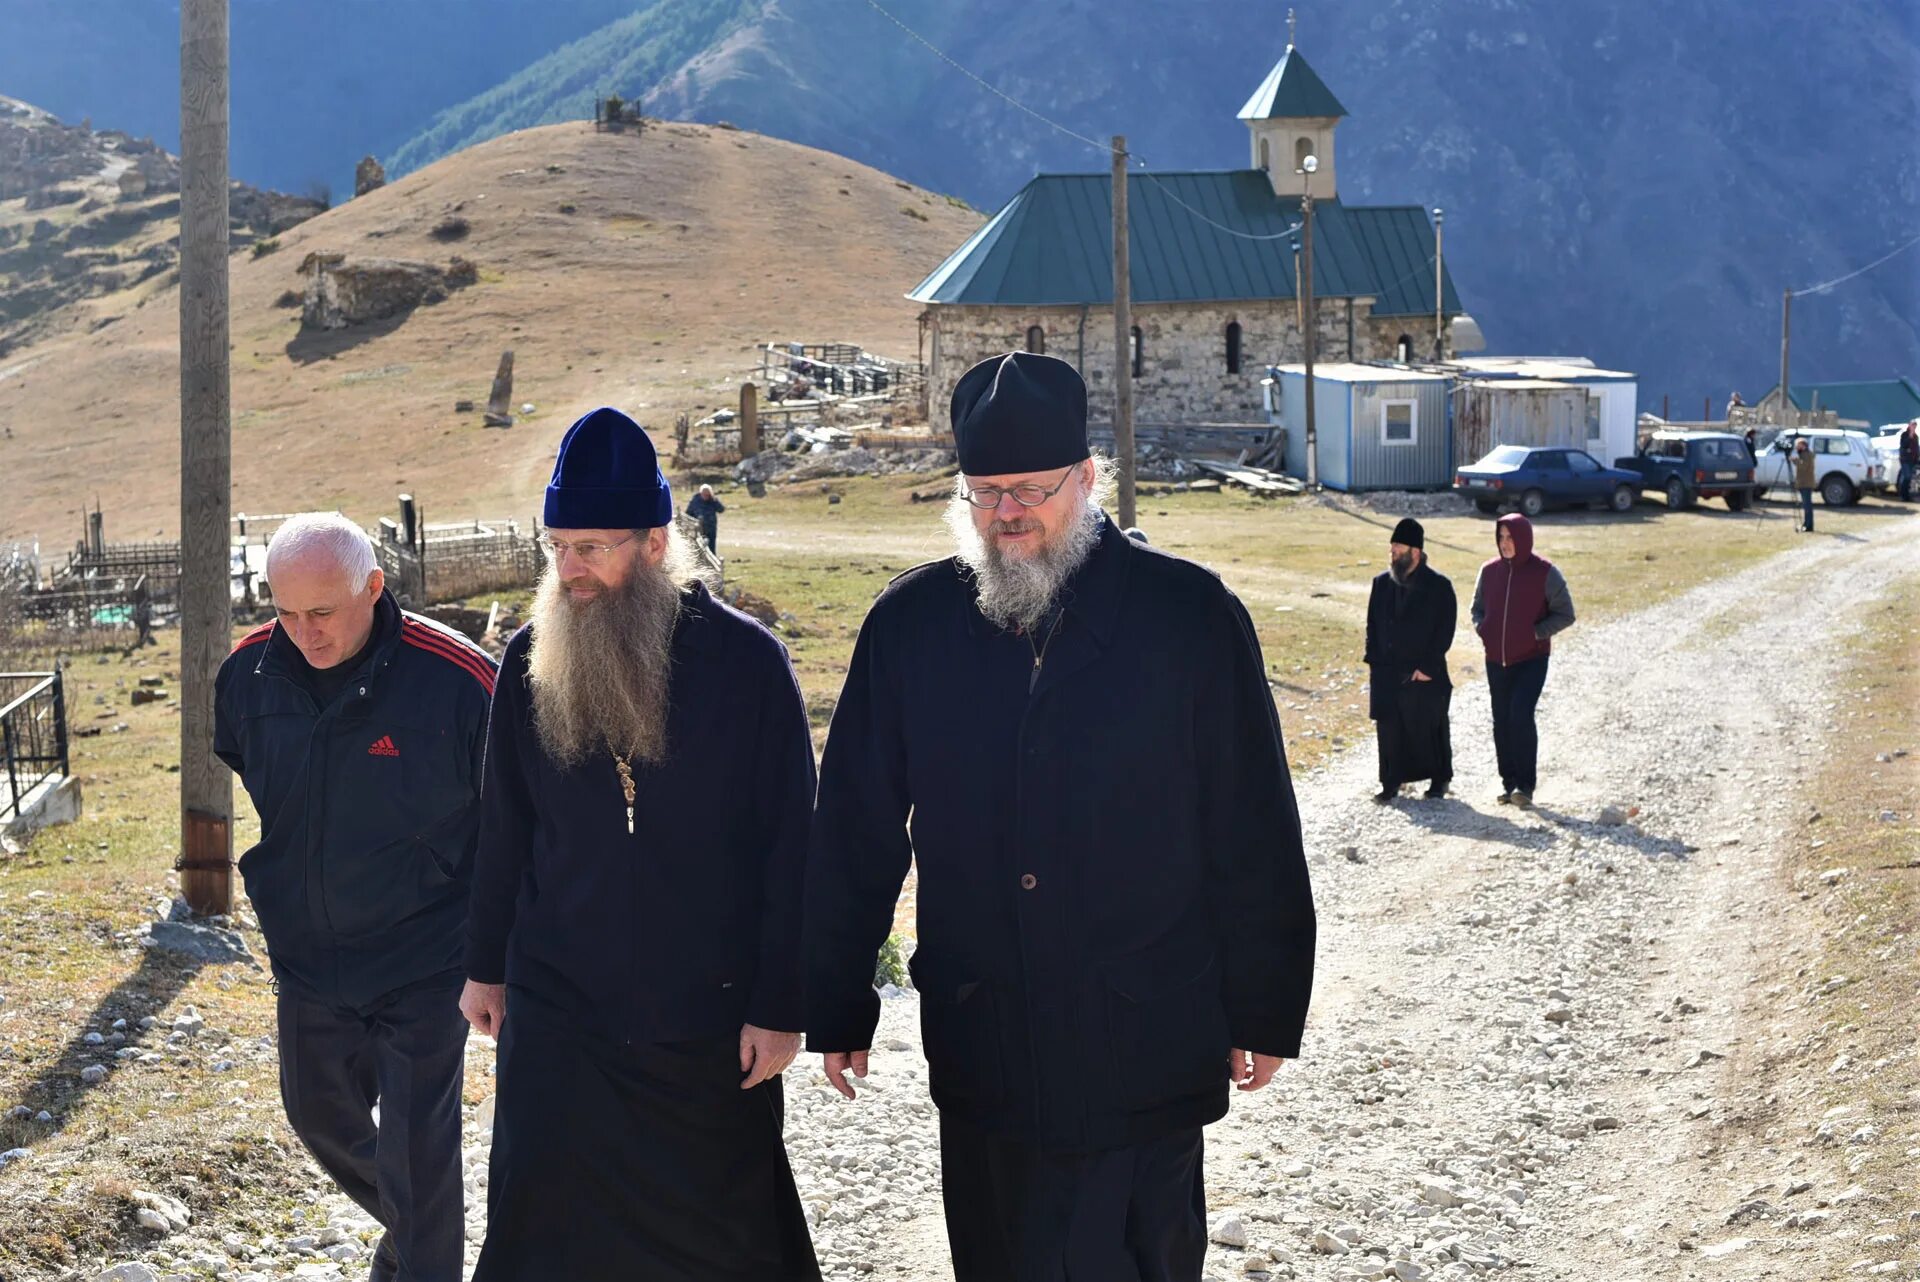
(1786, 329)
(206, 607)
(1122, 336)
(1439, 293)
(1307, 333)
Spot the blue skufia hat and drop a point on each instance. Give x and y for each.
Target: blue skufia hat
(1019, 412)
(607, 477)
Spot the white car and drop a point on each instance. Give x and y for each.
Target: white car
(1886, 447)
(1845, 465)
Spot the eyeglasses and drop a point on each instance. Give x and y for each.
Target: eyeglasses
(1030, 494)
(589, 552)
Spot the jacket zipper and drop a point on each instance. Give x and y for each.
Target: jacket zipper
(1506, 608)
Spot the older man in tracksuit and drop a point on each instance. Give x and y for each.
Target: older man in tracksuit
(358, 730)
(1520, 601)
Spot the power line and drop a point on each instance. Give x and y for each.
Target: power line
(1007, 98)
(1841, 280)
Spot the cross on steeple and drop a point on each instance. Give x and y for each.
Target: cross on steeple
(1290, 25)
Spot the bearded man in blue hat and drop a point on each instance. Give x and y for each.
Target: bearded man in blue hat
(634, 934)
(1070, 735)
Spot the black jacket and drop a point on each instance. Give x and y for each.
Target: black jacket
(690, 925)
(1111, 888)
(368, 806)
(1404, 637)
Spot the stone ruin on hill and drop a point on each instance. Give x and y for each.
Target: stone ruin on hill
(341, 292)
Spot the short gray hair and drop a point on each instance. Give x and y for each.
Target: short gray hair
(327, 533)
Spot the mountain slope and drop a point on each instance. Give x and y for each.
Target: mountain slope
(635, 271)
(636, 49)
(315, 86)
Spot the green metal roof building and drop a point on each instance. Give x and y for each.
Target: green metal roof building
(1214, 266)
(1866, 404)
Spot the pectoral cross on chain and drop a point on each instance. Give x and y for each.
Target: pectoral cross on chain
(626, 787)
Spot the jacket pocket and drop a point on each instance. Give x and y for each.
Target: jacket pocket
(961, 1028)
(273, 878)
(1168, 1025)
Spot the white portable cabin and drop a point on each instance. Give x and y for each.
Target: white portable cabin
(1611, 413)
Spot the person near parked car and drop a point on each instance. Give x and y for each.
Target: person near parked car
(1519, 603)
(1909, 459)
(1804, 476)
(1410, 622)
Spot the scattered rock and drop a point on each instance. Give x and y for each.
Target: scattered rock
(202, 943)
(93, 1074)
(1611, 817)
(161, 1213)
(1228, 1230)
(368, 175)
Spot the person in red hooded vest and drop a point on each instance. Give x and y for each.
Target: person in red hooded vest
(1519, 602)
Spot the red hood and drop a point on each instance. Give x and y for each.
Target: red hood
(1522, 531)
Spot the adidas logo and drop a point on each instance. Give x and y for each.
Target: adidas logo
(383, 747)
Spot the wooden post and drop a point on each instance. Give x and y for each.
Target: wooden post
(1439, 292)
(1307, 334)
(1786, 329)
(749, 420)
(206, 602)
(1122, 337)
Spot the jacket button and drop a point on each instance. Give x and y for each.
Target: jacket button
(1028, 881)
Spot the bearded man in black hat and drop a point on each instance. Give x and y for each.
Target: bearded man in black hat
(634, 935)
(1071, 734)
(1410, 621)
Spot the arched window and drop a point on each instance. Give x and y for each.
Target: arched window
(1036, 340)
(1403, 350)
(1302, 148)
(1266, 160)
(1233, 347)
(1139, 353)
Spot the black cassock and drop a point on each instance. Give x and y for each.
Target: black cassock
(1409, 629)
(1112, 894)
(623, 1146)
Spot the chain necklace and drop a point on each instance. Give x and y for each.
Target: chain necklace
(626, 786)
(1040, 651)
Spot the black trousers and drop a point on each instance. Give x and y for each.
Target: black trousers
(642, 1162)
(1515, 690)
(406, 1054)
(1016, 1213)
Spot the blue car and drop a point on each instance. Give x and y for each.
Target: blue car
(1535, 479)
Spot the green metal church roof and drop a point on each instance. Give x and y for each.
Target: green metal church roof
(1291, 90)
(1052, 245)
(1874, 402)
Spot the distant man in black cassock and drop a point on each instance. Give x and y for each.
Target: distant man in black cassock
(1072, 736)
(635, 927)
(1410, 621)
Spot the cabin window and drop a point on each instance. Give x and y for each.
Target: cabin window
(1399, 423)
(1403, 349)
(1302, 148)
(1036, 340)
(1233, 347)
(1138, 352)
(1266, 161)
(1593, 418)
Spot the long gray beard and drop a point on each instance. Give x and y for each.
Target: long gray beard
(601, 672)
(1015, 592)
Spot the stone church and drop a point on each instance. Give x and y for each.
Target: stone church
(1214, 271)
